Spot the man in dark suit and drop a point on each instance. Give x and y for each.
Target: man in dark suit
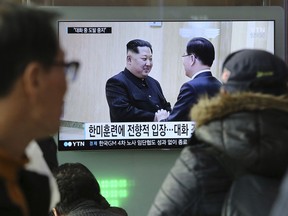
(132, 95)
(197, 62)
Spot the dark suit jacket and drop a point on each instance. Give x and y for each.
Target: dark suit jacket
(49, 150)
(131, 100)
(35, 188)
(204, 83)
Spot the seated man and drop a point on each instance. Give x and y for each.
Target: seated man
(80, 193)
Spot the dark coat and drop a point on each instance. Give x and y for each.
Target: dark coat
(236, 135)
(90, 208)
(251, 195)
(49, 149)
(280, 206)
(130, 100)
(190, 92)
(36, 190)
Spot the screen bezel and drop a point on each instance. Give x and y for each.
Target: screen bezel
(154, 14)
(178, 13)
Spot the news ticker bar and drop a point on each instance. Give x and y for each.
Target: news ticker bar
(130, 135)
(72, 145)
(142, 130)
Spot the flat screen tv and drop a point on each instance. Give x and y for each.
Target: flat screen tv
(97, 38)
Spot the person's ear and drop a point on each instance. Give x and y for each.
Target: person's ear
(128, 58)
(32, 78)
(225, 75)
(192, 59)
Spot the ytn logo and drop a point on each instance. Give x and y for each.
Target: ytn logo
(74, 144)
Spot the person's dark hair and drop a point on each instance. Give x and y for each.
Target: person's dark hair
(76, 184)
(26, 35)
(134, 44)
(203, 49)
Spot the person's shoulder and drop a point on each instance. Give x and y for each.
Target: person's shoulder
(189, 83)
(32, 177)
(117, 77)
(117, 211)
(33, 185)
(215, 81)
(204, 78)
(119, 74)
(93, 211)
(195, 84)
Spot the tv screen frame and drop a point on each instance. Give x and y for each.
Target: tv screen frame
(100, 135)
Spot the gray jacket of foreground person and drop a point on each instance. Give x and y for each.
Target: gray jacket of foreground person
(280, 206)
(239, 134)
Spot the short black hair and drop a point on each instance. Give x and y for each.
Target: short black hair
(134, 44)
(203, 49)
(26, 35)
(76, 184)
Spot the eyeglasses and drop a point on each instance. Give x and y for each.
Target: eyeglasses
(184, 55)
(71, 69)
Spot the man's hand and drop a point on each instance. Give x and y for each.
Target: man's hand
(160, 115)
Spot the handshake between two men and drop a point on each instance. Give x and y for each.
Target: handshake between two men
(161, 115)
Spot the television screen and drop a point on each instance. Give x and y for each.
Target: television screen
(99, 44)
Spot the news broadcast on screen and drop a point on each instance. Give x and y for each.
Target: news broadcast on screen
(99, 45)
